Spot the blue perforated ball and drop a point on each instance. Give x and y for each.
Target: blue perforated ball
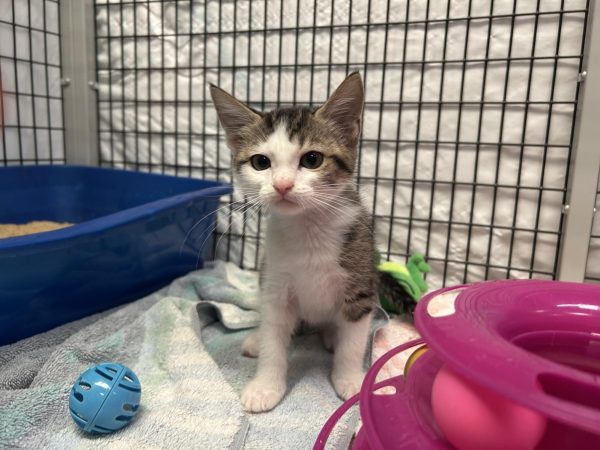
(105, 398)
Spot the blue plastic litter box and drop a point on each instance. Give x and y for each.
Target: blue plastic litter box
(129, 239)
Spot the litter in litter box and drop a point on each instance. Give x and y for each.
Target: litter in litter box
(38, 226)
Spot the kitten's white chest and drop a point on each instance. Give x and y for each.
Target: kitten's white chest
(306, 254)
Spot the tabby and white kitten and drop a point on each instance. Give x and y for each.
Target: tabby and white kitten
(319, 257)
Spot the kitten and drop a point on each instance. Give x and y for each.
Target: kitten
(319, 251)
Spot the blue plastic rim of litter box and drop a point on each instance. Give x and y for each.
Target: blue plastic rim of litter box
(105, 398)
(134, 233)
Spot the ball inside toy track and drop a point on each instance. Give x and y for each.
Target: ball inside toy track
(473, 417)
(105, 398)
(413, 357)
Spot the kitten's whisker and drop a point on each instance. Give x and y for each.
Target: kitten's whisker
(208, 236)
(244, 220)
(333, 195)
(345, 183)
(222, 235)
(338, 185)
(331, 192)
(335, 199)
(247, 193)
(325, 204)
(215, 212)
(302, 203)
(216, 224)
(332, 188)
(324, 208)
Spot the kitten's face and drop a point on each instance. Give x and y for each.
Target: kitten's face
(293, 160)
(296, 163)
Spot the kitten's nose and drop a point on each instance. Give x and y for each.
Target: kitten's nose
(283, 187)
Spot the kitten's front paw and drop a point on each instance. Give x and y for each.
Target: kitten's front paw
(347, 385)
(259, 396)
(250, 345)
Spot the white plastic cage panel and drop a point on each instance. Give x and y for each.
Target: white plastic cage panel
(31, 116)
(592, 272)
(468, 122)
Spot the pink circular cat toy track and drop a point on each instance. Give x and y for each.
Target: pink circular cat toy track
(510, 365)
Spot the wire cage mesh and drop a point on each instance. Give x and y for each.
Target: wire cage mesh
(31, 116)
(468, 121)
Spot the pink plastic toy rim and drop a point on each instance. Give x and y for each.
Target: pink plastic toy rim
(483, 309)
(332, 422)
(344, 407)
(369, 386)
(336, 416)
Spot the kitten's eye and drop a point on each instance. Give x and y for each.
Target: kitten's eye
(311, 160)
(260, 162)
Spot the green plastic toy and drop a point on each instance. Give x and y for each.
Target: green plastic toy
(402, 285)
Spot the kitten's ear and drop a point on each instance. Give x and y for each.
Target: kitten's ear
(344, 108)
(233, 115)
